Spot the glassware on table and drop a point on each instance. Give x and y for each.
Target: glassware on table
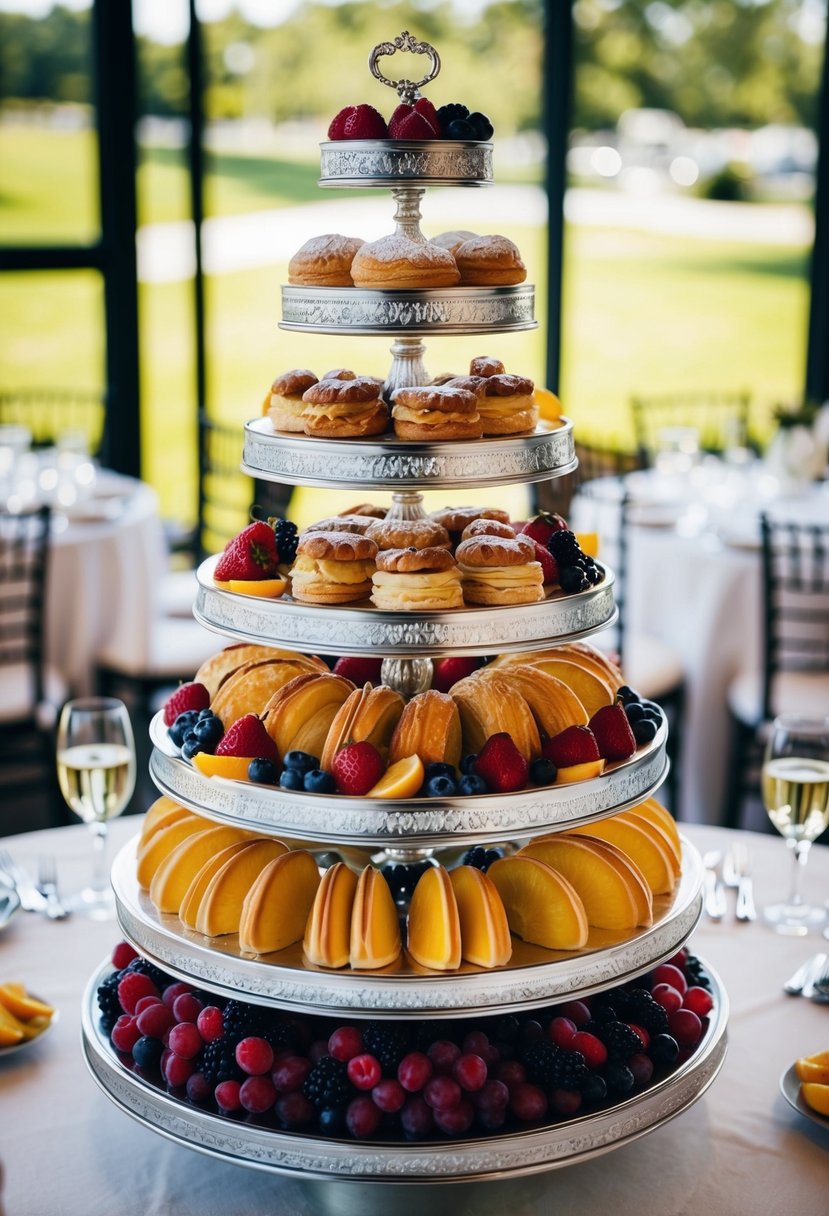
(96, 772)
(677, 450)
(796, 797)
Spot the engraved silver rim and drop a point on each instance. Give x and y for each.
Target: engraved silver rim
(218, 965)
(365, 630)
(389, 463)
(387, 163)
(441, 310)
(406, 822)
(511, 1155)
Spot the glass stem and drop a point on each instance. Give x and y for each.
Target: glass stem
(100, 878)
(800, 849)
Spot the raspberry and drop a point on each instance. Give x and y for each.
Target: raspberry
(362, 1117)
(254, 1056)
(389, 1096)
(125, 1033)
(187, 1007)
(132, 987)
(457, 1120)
(144, 1002)
(155, 1020)
(414, 1070)
(122, 955)
(528, 1103)
(185, 1040)
(291, 1074)
(178, 1069)
(257, 1094)
(173, 991)
(442, 1093)
(416, 1119)
(470, 1071)
(210, 1023)
(294, 1110)
(226, 1094)
(364, 1072)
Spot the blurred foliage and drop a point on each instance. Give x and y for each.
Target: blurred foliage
(714, 62)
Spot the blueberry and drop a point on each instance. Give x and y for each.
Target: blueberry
(572, 579)
(543, 771)
(317, 781)
(635, 711)
(180, 727)
(626, 695)
(476, 856)
(663, 1049)
(301, 761)
(147, 1053)
(620, 1079)
(594, 575)
(593, 1089)
(491, 856)
(644, 730)
(481, 125)
(653, 715)
(438, 768)
(471, 783)
(262, 771)
(332, 1121)
(468, 763)
(459, 128)
(205, 713)
(291, 779)
(208, 731)
(190, 746)
(440, 787)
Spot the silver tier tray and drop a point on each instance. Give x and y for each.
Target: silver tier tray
(411, 823)
(404, 162)
(388, 463)
(532, 978)
(362, 629)
(489, 1157)
(440, 310)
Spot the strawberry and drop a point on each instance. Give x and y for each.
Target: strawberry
(414, 126)
(357, 768)
(575, 745)
(542, 527)
(614, 737)
(365, 123)
(425, 108)
(360, 671)
(402, 111)
(250, 555)
(335, 131)
(448, 671)
(548, 563)
(248, 737)
(501, 765)
(186, 696)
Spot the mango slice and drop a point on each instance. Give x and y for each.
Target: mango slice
(220, 910)
(542, 907)
(605, 883)
(434, 928)
(276, 907)
(485, 935)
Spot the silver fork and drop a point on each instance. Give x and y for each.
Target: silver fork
(714, 892)
(737, 874)
(820, 985)
(30, 898)
(47, 885)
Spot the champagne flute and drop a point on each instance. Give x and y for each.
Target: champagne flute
(96, 773)
(796, 798)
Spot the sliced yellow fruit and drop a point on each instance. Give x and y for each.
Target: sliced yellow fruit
(401, 780)
(434, 930)
(653, 859)
(605, 883)
(276, 907)
(161, 844)
(234, 768)
(549, 406)
(656, 833)
(327, 941)
(375, 927)
(22, 1005)
(542, 907)
(816, 1096)
(485, 935)
(173, 877)
(656, 813)
(580, 772)
(161, 814)
(591, 690)
(589, 543)
(265, 588)
(220, 910)
(821, 1057)
(11, 1030)
(808, 1071)
(189, 909)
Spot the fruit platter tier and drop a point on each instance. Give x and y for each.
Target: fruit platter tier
(362, 629)
(388, 463)
(409, 823)
(439, 310)
(533, 976)
(419, 163)
(550, 1142)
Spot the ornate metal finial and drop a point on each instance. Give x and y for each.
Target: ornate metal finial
(408, 90)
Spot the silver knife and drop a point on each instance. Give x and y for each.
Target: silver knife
(30, 898)
(797, 982)
(819, 962)
(713, 892)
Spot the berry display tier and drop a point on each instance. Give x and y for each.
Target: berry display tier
(533, 977)
(410, 823)
(387, 463)
(387, 163)
(362, 629)
(378, 1162)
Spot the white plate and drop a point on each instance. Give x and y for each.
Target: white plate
(790, 1089)
(16, 1048)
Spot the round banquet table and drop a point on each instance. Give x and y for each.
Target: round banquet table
(68, 1152)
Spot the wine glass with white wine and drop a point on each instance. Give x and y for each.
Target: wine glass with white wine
(96, 772)
(796, 798)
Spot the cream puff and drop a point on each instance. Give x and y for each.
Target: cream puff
(408, 534)
(333, 568)
(284, 404)
(497, 570)
(342, 523)
(488, 527)
(416, 580)
(324, 261)
(397, 263)
(453, 240)
(486, 365)
(489, 261)
(345, 409)
(429, 727)
(508, 406)
(432, 414)
(455, 519)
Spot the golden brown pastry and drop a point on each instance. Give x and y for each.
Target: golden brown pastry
(489, 261)
(444, 378)
(455, 519)
(453, 240)
(333, 567)
(430, 727)
(496, 570)
(342, 523)
(369, 715)
(345, 409)
(396, 263)
(431, 414)
(488, 527)
(220, 667)
(340, 373)
(485, 365)
(553, 705)
(508, 407)
(409, 580)
(324, 261)
(298, 716)
(367, 508)
(408, 534)
(284, 404)
(489, 707)
(472, 384)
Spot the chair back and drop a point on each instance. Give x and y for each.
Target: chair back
(24, 543)
(595, 462)
(795, 601)
(720, 418)
(49, 413)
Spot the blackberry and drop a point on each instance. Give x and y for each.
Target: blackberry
(645, 1012)
(571, 579)
(694, 972)
(608, 1006)
(428, 1033)
(564, 547)
(241, 1020)
(108, 1002)
(570, 1070)
(506, 1029)
(620, 1041)
(403, 879)
(481, 858)
(143, 967)
(450, 113)
(387, 1043)
(287, 538)
(539, 1059)
(218, 1061)
(327, 1083)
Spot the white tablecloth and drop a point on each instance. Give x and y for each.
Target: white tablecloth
(741, 1149)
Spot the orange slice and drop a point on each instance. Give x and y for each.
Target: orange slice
(821, 1057)
(485, 935)
(662, 818)
(162, 807)
(589, 543)
(816, 1096)
(606, 884)
(580, 772)
(327, 941)
(549, 406)
(542, 907)
(153, 851)
(189, 909)
(21, 1004)
(375, 929)
(401, 780)
(434, 930)
(656, 833)
(276, 907)
(652, 858)
(806, 1070)
(234, 768)
(220, 910)
(173, 877)
(265, 588)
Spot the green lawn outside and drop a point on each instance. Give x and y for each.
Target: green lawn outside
(644, 312)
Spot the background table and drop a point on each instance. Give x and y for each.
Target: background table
(68, 1152)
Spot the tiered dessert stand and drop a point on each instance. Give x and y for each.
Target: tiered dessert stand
(407, 829)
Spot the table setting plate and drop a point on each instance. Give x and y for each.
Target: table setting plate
(18, 1049)
(790, 1089)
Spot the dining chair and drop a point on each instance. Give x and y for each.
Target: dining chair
(611, 459)
(31, 692)
(792, 675)
(720, 419)
(49, 413)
